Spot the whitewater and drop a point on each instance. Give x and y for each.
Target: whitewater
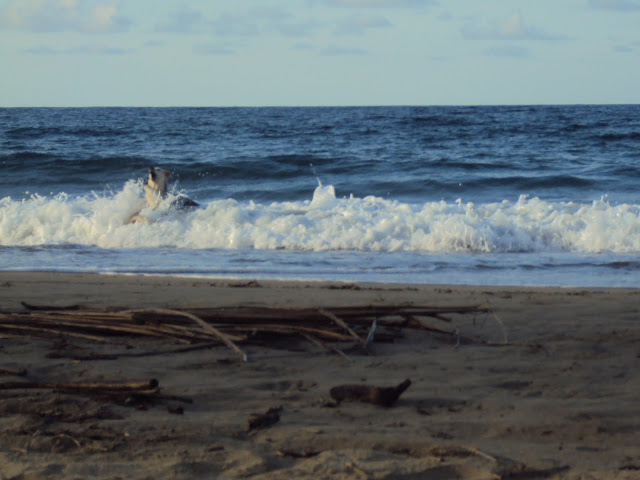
(323, 223)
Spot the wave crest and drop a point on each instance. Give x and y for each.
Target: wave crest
(323, 223)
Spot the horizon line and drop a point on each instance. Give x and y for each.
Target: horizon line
(390, 105)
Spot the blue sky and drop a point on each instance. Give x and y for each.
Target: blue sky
(318, 52)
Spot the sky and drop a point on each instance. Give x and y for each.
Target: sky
(318, 52)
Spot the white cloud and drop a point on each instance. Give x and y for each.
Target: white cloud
(79, 50)
(214, 49)
(104, 19)
(250, 23)
(154, 43)
(512, 28)
(336, 50)
(625, 47)
(380, 3)
(510, 51)
(277, 20)
(240, 25)
(68, 3)
(624, 5)
(87, 16)
(185, 20)
(359, 24)
(305, 46)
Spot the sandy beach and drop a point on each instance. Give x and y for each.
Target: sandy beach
(544, 385)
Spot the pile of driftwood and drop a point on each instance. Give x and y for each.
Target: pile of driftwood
(359, 325)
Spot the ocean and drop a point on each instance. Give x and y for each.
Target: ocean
(511, 195)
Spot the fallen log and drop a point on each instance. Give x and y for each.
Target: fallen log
(264, 420)
(49, 330)
(20, 372)
(84, 386)
(50, 307)
(383, 396)
(114, 356)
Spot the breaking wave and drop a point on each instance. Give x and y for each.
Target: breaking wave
(323, 223)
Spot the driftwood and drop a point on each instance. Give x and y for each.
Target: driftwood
(534, 473)
(149, 386)
(343, 324)
(20, 372)
(235, 326)
(224, 338)
(301, 454)
(264, 420)
(115, 356)
(383, 396)
(128, 393)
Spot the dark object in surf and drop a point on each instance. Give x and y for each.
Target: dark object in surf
(184, 203)
(383, 396)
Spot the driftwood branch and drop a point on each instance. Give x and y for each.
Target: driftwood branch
(207, 328)
(264, 420)
(372, 333)
(114, 356)
(151, 385)
(326, 346)
(129, 393)
(233, 326)
(383, 396)
(20, 372)
(343, 324)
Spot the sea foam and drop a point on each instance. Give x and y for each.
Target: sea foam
(324, 223)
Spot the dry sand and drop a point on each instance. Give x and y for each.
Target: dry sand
(555, 395)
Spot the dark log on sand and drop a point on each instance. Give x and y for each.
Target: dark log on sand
(151, 385)
(264, 420)
(383, 396)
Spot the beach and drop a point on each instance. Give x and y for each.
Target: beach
(541, 383)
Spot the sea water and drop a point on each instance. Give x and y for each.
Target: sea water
(531, 195)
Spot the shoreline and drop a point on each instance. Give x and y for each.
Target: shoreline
(471, 281)
(549, 392)
(109, 289)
